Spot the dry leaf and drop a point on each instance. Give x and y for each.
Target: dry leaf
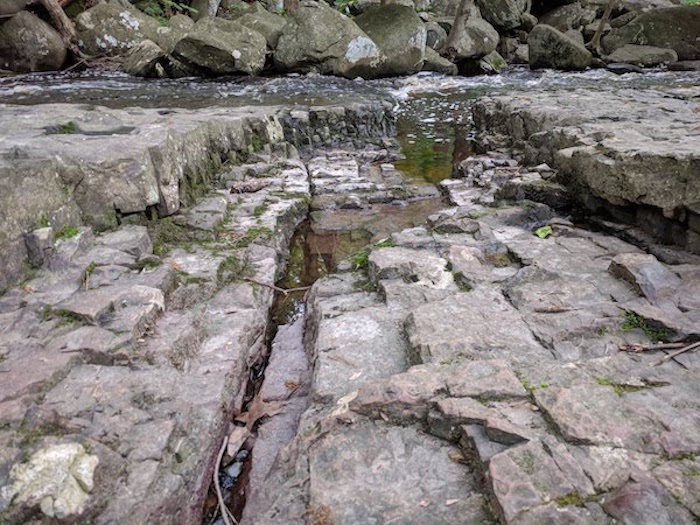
(451, 502)
(457, 456)
(424, 503)
(174, 265)
(356, 375)
(258, 409)
(236, 440)
(28, 288)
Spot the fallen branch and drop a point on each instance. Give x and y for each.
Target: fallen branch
(285, 291)
(594, 44)
(672, 355)
(217, 486)
(639, 347)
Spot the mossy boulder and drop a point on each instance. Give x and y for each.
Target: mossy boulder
(112, 29)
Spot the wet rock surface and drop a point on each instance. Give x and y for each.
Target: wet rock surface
(460, 363)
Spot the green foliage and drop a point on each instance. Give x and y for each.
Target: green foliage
(344, 5)
(166, 232)
(684, 455)
(633, 321)
(161, 10)
(461, 281)
(385, 243)
(360, 261)
(527, 385)
(618, 388)
(544, 232)
(571, 498)
(66, 232)
(252, 235)
(260, 210)
(690, 2)
(257, 144)
(231, 269)
(65, 317)
(43, 221)
(67, 128)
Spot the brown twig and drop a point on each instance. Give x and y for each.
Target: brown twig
(639, 347)
(217, 486)
(672, 355)
(285, 291)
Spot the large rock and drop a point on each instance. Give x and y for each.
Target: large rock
(400, 35)
(267, 24)
(112, 29)
(503, 14)
(474, 38)
(178, 26)
(645, 56)
(27, 43)
(550, 48)
(434, 62)
(205, 8)
(676, 28)
(572, 16)
(144, 60)
(10, 7)
(216, 46)
(319, 38)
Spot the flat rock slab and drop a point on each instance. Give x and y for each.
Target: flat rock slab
(372, 473)
(355, 348)
(479, 324)
(626, 146)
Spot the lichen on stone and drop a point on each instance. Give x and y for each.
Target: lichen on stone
(57, 478)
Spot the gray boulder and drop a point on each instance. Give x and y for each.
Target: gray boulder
(10, 7)
(503, 14)
(112, 29)
(490, 64)
(676, 28)
(645, 56)
(549, 48)
(27, 44)
(178, 26)
(434, 62)
(145, 60)
(267, 24)
(474, 38)
(436, 36)
(400, 35)
(319, 38)
(216, 46)
(570, 16)
(445, 8)
(205, 8)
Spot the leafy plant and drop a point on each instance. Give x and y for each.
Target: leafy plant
(633, 321)
(66, 232)
(164, 9)
(544, 232)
